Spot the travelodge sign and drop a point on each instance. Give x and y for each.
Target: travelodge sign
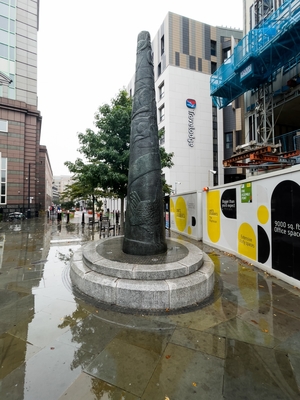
(191, 105)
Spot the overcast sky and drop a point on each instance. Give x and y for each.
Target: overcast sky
(86, 54)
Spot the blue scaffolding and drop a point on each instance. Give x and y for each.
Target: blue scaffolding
(273, 43)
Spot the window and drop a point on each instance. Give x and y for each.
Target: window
(161, 135)
(3, 126)
(162, 45)
(213, 47)
(185, 35)
(177, 59)
(3, 51)
(200, 64)
(161, 90)
(251, 128)
(215, 140)
(159, 69)
(3, 37)
(4, 23)
(238, 136)
(3, 180)
(228, 140)
(192, 62)
(162, 113)
(226, 54)
(4, 9)
(213, 67)
(215, 123)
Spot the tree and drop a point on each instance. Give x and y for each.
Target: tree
(107, 149)
(166, 162)
(67, 204)
(85, 184)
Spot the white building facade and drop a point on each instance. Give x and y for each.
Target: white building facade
(188, 131)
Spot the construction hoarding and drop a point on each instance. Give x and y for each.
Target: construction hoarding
(186, 214)
(258, 219)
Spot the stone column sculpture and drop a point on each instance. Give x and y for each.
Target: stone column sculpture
(144, 222)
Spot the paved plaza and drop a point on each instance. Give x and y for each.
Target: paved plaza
(243, 343)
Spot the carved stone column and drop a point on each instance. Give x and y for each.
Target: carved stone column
(144, 222)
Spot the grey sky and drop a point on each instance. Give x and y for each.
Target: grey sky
(86, 53)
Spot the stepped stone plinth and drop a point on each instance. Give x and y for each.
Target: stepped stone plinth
(181, 277)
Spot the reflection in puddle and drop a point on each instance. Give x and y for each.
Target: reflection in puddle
(55, 345)
(15, 227)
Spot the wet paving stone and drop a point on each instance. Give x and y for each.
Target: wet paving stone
(124, 365)
(91, 335)
(57, 344)
(184, 373)
(201, 341)
(251, 333)
(253, 372)
(89, 388)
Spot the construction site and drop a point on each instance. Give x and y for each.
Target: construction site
(264, 70)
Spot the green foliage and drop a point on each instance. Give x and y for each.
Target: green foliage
(166, 162)
(106, 151)
(108, 148)
(67, 205)
(85, 183)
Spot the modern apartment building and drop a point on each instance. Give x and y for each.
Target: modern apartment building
(25, 166)
(60, 182)
(45, 193)
(265, 69)
(185, 54)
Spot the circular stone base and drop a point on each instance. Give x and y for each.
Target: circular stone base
(180, 277)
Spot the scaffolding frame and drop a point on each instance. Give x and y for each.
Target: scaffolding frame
(259, 55)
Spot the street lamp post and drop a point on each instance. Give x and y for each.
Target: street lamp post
(19, 207)
(29, 197)
(176, 183)
(28, 209)
(210, 171)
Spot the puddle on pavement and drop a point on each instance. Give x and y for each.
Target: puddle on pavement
(56, 345)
